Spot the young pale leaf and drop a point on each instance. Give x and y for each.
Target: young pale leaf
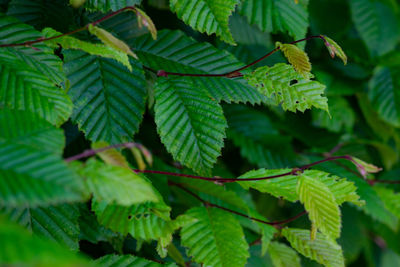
(109, 99)
(216, 12)
(283, 255)
(58, 223)
(76, 3)
(283, 85)
(215, 238)
(68, 42)
(115, 184)
(110, 40)
(145, 20)
(334, 49)
(110, 156)
(322, 249)
(190, 123)
(297, 58)
(320, 204)
(364, 168)
(285, 186)
(19, 246)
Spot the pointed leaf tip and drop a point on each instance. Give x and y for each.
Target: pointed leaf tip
(334, 49)
(297, 58)
(364, 168)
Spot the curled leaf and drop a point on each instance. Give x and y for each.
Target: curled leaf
(145, 20)
(364, 168)
(110, 156)
(110, 40)
(334, 49)
(138, 157)
(297, 58)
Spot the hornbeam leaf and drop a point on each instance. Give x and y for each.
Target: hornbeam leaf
(191, 125)
(215, 238)
(277, 15)
(109, 99)
(107, 5)
(114, 183)
(207, 16)
(390, 199)
(334, 49)
(175, 52)
(112, 260)
(320, 204)
(145, 20)
(283, 255)
(322, 249)
(110, 156)
(68, 42)
(285, 86)
(110, 40)
(19, 246)
(297, 58)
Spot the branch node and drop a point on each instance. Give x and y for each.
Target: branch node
(162, 73)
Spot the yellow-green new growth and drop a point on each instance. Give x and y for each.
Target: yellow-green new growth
(297, 58)
(145, 20)
(334, 49)
(110, 40)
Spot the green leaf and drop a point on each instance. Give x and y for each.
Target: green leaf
(334, 49)
(283, 255)
(277, 15)
(377, 24)
(297, 58)
(115, 184)
(110, 156)
(110, 40)
(320, 204)
(175, 52)
(68, 42)
(29, 129)
(267, 234)
(285, 86)
(57, 223)
(107, 5)
(31, 175)
(190, 123)
(109, 100)
(112, 260)
(145, 20)
(285, 186)
(342, 116)
(390, 199)
(322, 249)
(206, 16)
(383, 94)
(215, 239)
(19, 246)
(40, 58)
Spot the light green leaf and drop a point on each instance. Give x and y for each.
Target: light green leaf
(320, 204)
(190, 123)
(206, 16)
(107, 5)
(267, 234)
(297, 58)
(285, 86)
(334, 49)
(110, 156)
(285, 186)
(115, 184)
(112, 260)
(277, 15)
(322, 249)
(383, 94)
(283, 255)
(68, 42)
(57, 223)
(110, 40)
(175, 52)
(215, 239)
(109, 100)
(19, 246)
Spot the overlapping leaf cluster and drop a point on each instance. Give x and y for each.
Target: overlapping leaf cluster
(186, 93)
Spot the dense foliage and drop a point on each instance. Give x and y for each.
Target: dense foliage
(148, 133)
